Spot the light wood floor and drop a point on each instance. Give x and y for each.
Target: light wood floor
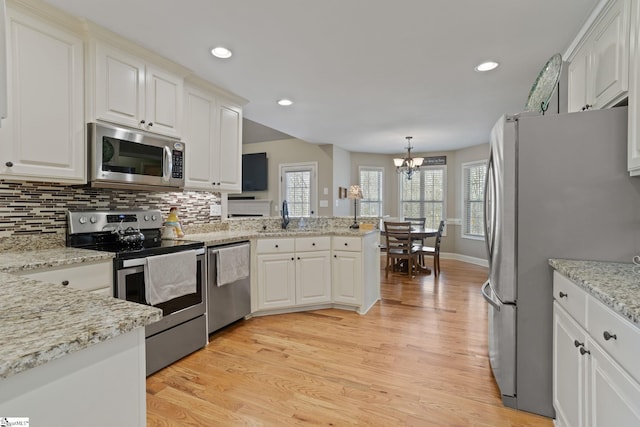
(418, 358)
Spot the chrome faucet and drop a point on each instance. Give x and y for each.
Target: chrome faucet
(285, 215)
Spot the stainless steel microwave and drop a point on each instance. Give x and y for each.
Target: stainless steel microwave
(126, 158)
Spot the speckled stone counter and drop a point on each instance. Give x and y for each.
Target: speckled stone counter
(222, 237)
(40, 322)
(14, 262)
(615, 284)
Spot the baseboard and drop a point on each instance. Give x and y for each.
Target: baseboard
(465, 258)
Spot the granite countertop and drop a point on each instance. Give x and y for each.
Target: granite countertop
(222, 237)
(15, 262)
(41, 322)
(615, 284)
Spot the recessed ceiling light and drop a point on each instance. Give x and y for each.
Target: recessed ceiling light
(487, 66)
(221, 52)
(285, 102)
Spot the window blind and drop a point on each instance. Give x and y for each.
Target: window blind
(473, 180)
(371, 180)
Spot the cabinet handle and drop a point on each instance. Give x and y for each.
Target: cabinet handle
(298, 258)
(313, 244)
(346, 244)
(65, 283)
(276, 246)
(9, 164)
(578, 343)
(335, 256)
(293, 259)
(562, 295)
(586, 107)
(150, 124)
(584, 351)
(142, 122)
(608, 336)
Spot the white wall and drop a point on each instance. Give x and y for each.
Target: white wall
(341, 178)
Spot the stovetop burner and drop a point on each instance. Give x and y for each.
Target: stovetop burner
(95, 230)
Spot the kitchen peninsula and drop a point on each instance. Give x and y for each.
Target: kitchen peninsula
(65, 353)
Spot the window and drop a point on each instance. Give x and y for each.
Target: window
(424, 195)
(473, 176)
(298, 188)
(371, 180)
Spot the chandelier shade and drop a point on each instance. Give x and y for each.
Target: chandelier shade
(409, 164)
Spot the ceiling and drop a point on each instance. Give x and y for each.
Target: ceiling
(363, 74)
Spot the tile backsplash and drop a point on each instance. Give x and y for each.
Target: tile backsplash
(32, 214)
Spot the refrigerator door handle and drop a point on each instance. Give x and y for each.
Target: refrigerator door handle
(489, 222)
(488, 297)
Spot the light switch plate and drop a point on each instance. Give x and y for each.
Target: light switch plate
(325, 191)
(215, 210)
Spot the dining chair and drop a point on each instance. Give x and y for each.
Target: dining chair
(399, 247)
(433, 251)
(417, 222)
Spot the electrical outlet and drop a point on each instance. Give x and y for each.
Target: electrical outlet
(324, 203)
(215, 210)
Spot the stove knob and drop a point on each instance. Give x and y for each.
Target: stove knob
(93, 220)
(146, 217)
(154, 217)
(83, 220)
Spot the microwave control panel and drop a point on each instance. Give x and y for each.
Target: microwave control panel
(178, 164)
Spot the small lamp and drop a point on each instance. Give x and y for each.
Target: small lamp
(355, 193)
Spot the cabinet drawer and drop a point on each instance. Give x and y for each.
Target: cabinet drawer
(570, 297)
(87, 277)
(341, 243)
(275, 246)
(317, 243)
(625, 347)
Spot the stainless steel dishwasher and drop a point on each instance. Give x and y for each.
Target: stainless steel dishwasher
(228, 302)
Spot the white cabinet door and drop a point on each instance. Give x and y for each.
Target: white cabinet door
(134, 93)
(610, 55)
(199, 129)
(633, 141)
(227, 175)
(163, 107)
(276, 281)
(313, 277)
(43, 139)
(614, 397)
(120, 87)
(347, 277)
(569, 392)
(213, 139)
(578, 93)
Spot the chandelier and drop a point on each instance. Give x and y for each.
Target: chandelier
(409, 164)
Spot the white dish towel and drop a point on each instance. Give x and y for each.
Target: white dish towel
(170, 276)
(233, 264)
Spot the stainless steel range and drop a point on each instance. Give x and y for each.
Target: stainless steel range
(168, 274)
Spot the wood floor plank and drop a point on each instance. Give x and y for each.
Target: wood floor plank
(418, 358)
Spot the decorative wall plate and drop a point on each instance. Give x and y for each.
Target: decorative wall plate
(545, 84)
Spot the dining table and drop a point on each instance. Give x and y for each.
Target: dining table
(420, 233)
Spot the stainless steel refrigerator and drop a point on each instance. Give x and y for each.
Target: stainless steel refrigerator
(557, 187)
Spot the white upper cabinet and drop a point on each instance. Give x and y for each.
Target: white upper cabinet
(133, 91)
(599, 69)
(43, 138)
(633, 157)
(213, 140)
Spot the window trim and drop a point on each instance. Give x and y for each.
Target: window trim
(463, 167)
(381, 200)
(302, 166)
(444, 192)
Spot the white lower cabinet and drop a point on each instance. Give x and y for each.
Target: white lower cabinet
(293, 272)
(594, 383)
(94, 277)
(319, 271)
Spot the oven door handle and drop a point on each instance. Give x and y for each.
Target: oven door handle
(138, 262)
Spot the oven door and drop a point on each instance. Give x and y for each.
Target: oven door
(130, 286)
(125, 157)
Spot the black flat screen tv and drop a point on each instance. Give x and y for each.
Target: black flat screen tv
(255, 176)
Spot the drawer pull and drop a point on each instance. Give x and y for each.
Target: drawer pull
(292, 259)
(346, 244)
(562, 295)
(578, 343)
(276, 246)
(607, 336)
(65, 283)
(313, 244)
(584, 351)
